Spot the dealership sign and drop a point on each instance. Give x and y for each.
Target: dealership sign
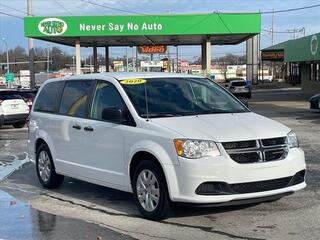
(152, 49)
(183, 24)
(52, 26)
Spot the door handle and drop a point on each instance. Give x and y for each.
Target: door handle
(88, 128)
(76, 126)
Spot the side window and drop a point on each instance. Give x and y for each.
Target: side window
(75, 98)
(49, 97)
(106, 96)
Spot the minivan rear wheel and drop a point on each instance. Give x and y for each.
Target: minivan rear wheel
(150, 191)
(45, 168)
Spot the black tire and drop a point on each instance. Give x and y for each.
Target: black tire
(19, 125)
(163, 208)
(54, 180)
(249, 95)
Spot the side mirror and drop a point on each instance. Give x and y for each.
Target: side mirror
(114, 114)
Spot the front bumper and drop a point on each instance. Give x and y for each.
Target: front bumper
(185, 178)
(13, 118)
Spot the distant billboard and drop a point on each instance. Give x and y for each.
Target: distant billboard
(152, 49)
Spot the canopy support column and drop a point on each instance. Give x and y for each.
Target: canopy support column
(107, 58)
(252, 59)
(78, 57)
(95, 59)
(206, 57)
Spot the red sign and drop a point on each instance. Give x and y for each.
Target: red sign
(275, 56)
(152, 49)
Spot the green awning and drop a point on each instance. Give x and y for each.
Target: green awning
(220, 28)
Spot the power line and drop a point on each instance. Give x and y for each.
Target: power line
(112, 8)
(11, 15)
(15, 9)
(67, 10)
(287, 31)
(290, 9)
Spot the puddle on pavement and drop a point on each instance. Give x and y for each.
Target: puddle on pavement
(20, 221)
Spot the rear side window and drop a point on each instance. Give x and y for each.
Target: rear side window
(75, 98)
(49, 96)
(7, 95)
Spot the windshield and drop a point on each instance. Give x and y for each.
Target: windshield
(168, 97)
(9, 95)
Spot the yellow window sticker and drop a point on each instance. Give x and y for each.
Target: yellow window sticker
(133, 81)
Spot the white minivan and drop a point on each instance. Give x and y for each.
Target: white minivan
(164, 137)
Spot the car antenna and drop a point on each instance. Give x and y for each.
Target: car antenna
(146, 99)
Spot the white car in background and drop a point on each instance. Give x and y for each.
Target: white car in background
(239, 88)
(164, 137)
(13, 109)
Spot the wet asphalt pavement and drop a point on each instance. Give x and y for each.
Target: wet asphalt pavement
(80, 210)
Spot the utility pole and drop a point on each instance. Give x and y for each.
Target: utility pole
(31, 50)
(177, 59)
(272, 40)
(127, 60)
(133, 65)
(8, 70)
(272, 28)
(48, 59)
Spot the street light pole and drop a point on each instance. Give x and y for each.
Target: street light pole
(6, 44)
(31, 50)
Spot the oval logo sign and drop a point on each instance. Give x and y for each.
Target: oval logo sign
(52, 26)
(314, 45)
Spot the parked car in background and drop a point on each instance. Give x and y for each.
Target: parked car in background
(28, 95)
(13, 109)
(315, 102)
(239, 88)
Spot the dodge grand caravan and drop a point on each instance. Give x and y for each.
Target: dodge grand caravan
(165, 138)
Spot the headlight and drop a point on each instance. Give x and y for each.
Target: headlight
(292, 140)
(189, 148)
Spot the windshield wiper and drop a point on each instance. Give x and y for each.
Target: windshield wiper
(159, 115)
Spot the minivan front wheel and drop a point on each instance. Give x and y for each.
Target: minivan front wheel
(150, 191)
(45, 168)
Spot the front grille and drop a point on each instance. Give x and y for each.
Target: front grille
(223, 188)
(249, 157)
(260, 186)
(255, 151)
(273, 141)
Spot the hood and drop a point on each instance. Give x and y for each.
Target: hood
(224, 127)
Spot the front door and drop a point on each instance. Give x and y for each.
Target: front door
(105, 139)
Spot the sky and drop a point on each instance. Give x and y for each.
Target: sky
(12, 28)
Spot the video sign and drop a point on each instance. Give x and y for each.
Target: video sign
(152, 49)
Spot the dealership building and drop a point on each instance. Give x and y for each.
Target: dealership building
(302, 60)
